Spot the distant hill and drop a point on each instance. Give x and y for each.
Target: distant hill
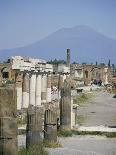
(85, 43)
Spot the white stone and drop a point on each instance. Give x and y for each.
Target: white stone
(25, 100)
(19, 98)
(48, 98)
(32, 89)
(38, 90)
(44, 86)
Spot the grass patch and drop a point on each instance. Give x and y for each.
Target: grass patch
(83, 98)
(34, 150)
(51, 144)
(39, 149)
(80, 119)
(75, 132)
(65, 133)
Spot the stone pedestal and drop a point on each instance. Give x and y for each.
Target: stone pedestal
(34, 126)
(8, 122)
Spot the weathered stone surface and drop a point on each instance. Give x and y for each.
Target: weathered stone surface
(65, 107)
(50, 125)
(34, 125)
(8, 123)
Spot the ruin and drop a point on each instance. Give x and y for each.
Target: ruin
(34, 125)
(8, 122)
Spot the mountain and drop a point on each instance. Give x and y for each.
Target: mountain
(85, 43)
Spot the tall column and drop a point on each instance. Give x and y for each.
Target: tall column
(65, 107)
(32, 89)
(48, 98)
(19, 90)
(44, 88)
(25, 90)
(38, 90)
(68, 58)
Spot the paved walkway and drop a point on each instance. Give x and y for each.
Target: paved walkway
(99, 112)
(86, 145)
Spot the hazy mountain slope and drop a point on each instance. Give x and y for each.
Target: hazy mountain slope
(86, 45)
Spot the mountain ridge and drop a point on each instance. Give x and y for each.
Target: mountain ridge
(86, 44)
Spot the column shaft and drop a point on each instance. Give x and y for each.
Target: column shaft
(49, 88)
(25, 91)
(32, 89)
(44, 88)
(38, 90)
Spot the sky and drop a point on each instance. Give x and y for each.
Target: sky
(23, 22)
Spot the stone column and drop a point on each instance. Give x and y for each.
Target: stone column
(19, 90)
(65, 107)
(38, 89)
(34, 126)
(44, 88)
(25, 90)
(60, 82)
(50, 125)
(48, 97)
(60, 86)
(32, 89)
(8, 122)
(106, 75)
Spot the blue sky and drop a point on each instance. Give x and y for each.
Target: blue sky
(23, 22)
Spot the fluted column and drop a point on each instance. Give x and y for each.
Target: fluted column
(48, 88)
(25, 91)
(32, 89)
(44, 88)
(38, 89)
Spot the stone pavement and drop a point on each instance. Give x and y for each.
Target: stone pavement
(101, 111)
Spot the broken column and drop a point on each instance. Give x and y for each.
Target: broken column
(50, 125)
(44, 88)
(38, 90)
(32, 89)
(65, 107)
(48, 97)
(25, 90)
(8, 122)
(34, 125)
